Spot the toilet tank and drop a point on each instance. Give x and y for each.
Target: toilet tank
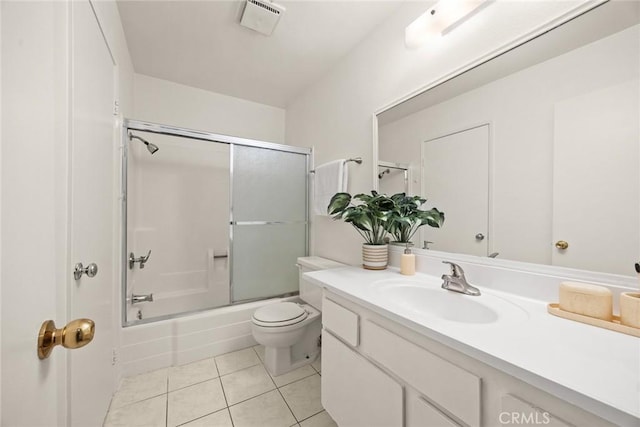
(309, 292)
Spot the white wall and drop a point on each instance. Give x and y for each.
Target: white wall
(520, 109)
(335, 114)
(111, 25)
(109, 17)
(165, 102)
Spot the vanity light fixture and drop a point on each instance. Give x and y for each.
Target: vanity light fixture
(441, 19)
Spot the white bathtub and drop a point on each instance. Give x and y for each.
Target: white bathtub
(186, 339)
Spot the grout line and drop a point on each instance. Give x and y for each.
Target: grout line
(215, 365)
(310, 416)
(287, 403)
(242, 369)
(252, 397)
(191, 385)
(133, 403)
(205, 415)
(226, 402)
(230, 417)
(224, 394)
(285, 400)
(295, 381)
(166, 412)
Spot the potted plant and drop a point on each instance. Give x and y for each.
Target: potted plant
(369, 218)
(406, 217)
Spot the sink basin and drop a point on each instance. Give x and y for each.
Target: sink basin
(437, 303)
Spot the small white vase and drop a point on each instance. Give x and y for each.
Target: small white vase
(375, 257)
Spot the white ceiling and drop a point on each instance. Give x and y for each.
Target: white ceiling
(201, 44)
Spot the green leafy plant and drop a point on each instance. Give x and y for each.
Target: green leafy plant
(406, 217)
(368, 217)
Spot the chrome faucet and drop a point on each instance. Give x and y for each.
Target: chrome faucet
(141, 298)
(457, 282)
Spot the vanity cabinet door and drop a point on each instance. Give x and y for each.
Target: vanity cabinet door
(421, 413)
(355, 392)
(449, 386)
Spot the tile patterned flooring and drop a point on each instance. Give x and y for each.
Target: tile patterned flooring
(230, 390)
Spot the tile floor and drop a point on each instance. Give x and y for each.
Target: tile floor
(230, 390)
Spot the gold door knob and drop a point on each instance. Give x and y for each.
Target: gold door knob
(561, 244)
(75, 334)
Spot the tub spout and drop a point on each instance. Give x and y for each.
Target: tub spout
(141, 298)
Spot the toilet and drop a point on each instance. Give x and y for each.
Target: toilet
(290, 331)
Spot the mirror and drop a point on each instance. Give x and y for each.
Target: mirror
(534, 155)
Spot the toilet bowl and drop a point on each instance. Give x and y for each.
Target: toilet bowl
(290, 331)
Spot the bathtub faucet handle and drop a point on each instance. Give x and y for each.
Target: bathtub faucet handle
(142, 260)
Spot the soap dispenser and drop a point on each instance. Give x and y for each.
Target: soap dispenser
(408, 262)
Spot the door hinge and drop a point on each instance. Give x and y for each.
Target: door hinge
(114, 357)
(116, 107)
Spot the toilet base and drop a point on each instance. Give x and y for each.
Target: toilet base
(278, 360)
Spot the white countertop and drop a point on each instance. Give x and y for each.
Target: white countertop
(593, 368)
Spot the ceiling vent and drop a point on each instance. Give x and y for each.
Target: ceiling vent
(261, 16)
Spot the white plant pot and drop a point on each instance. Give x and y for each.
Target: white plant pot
(375, 257)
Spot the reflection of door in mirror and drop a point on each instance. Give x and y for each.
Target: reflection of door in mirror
(596, 136)
(455, 180)
(564, 121)
(393, 178)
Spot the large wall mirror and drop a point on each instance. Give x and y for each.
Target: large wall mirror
(534, 155)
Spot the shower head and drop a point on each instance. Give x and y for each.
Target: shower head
(381, 174)
(151, 147)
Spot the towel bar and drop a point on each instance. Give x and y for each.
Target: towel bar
(357, 160)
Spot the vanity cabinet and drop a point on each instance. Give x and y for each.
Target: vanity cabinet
(378, 372)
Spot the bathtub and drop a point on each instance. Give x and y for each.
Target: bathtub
(186, 339)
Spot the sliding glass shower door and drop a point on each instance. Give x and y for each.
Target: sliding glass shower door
(208, 220)
(269, 221)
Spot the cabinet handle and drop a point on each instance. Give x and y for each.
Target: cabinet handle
(562, 245)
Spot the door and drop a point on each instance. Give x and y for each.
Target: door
(596, 193)
(269, 217)
(177, 208)
(92, 238)
(456, 181)
(33, 244)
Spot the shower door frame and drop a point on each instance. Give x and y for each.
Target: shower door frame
(138, 125)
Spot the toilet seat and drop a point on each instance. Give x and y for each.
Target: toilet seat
(279, 315)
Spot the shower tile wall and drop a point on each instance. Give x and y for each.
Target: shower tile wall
(178, 207)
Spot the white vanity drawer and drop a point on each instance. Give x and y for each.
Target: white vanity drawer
(421, 413)
(520, 412)
(449, 386)
(341, 322)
